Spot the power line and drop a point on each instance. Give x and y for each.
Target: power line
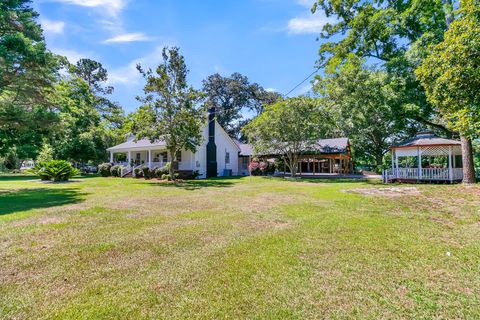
(298, 85)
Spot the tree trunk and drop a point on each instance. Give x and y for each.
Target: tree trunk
(171, 170)
(467, 159)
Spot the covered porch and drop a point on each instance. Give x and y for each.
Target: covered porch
(425, 158)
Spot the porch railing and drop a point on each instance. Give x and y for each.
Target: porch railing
(425, 174)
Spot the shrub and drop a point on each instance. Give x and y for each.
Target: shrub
(116, 171)
(147, 174)
(58, 170)
(104, 169)
(138, 172)
(261, 168)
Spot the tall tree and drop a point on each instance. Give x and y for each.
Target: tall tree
(393, 34)
(80, 136)
(233, 95)
(288, 128)
(229, 95)
(451, 77)
(170, 112)
(366, 107)
(27, 74)
(94, 74)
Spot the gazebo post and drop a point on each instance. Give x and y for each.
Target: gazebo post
(396, 164)
(450, 171)
(393, 161)
(419, 158)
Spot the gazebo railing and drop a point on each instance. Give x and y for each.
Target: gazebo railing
(429, 174)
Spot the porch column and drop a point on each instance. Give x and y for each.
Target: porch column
(149, 159)
(129, 157)
(111, 156)
(419, 158)
(450, 171)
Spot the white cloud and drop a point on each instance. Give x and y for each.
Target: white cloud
(72, 55)
(128, 75)
(306, 3)
(112, 7)
(271, 90)
(128, 37)
(52, 27)
(308, 24)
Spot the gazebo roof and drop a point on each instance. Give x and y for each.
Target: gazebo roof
(426, 139)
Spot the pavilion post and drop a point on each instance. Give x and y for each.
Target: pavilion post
(111, 156)
(450, 171)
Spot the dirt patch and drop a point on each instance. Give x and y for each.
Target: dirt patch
(390, 192)
(39, 220)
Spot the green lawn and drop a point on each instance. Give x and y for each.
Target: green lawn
(238, 248)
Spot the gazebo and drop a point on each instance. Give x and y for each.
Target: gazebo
(412, 160)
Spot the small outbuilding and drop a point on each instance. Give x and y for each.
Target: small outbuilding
(426, 158)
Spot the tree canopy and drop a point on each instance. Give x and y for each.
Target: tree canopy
(451, 77)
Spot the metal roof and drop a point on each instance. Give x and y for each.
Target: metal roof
(335, 145)
(426, 139)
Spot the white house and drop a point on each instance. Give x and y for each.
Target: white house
(217, 155)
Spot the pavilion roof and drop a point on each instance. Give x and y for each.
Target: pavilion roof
(426, 139)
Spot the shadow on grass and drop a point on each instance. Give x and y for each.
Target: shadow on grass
(17, 177)
(324, 180)
(38, 198)
(196, 184)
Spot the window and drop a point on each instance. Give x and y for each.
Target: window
(179, 156)
(227, 157)
(164, 156)
(244, 162)
(156, 157)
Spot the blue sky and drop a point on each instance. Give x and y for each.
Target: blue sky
(273, 42)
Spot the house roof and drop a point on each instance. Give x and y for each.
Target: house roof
(140, 144)
(245, 148)
(426, 139)
(322, 146)
(335, 145)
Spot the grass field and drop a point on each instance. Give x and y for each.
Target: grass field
(238, 248)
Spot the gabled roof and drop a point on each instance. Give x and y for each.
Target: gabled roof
(245, 148)
(426, 139)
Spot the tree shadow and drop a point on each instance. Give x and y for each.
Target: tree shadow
(12, 201)
(196, 184)
(17, 177)
(336, 179)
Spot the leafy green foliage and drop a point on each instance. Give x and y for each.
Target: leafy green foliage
(394, 35)
(451, 73)
(232, 95)
(170, 112)
(46, 153)
(366, 108)
(56, 170)
(451, 77)
(27, 73)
